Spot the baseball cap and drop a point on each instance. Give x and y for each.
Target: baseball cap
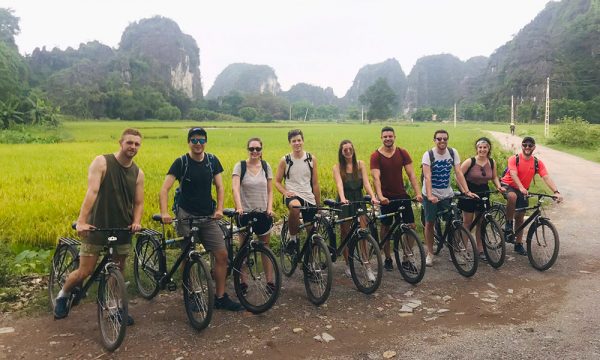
(528, 139)
(196, 131)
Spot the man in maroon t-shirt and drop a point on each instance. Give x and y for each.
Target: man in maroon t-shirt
(386, 167)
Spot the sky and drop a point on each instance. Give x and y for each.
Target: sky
(320, 42)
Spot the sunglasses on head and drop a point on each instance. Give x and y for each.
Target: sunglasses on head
(253, 149)
(527, 145)
(441, 138)
(198, 141)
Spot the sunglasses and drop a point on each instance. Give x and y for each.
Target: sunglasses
(528, 145)
(482, 171)
(441, 138)
(253, 149)
(198, 141)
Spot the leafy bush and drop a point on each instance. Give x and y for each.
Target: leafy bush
(576, 132)
(33, 261)
(202, 114)
(6, 259)
(248, 113)
(22, 136)
(168, 112)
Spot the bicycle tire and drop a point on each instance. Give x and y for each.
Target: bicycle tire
(112, 308)
(198, 292)
(64, 261)
(258, 296)
(498, 212)
(147, 268)
(492, 238)
(288, 262)
(318, 271)
(326, 231)
(410, 255)
(539, 241)
(438, 243)
(463, 251)
(359, 268)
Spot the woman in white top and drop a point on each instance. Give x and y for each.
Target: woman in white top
(253, 192)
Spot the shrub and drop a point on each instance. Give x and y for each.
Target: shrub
(6, 261)
(575, 132)
(248, 113)
(168, 112)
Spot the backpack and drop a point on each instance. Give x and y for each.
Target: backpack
(536, 166)
(244, 166)
(289, 163)
(184, 169)
(473, 162)
(432, 160)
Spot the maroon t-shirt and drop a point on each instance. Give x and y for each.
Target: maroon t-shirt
(392, 183)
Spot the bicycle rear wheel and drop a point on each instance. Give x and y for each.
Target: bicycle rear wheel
(492, 237)
(326, 231)
(64, 261)
(146, 266)
(542, 244)
(365, 264)
(462, 251)
(112, 308)
(438, 243)
(253, 267)
(288, 261)
(198, 293)
(410, 255)
(498, 212)
(318, 271)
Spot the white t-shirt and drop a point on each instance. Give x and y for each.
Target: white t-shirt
(440, 173)
(253, 187)
(299, 181)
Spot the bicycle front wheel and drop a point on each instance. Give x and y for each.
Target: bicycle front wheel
(542, 244)
(318, 271)
(287, 260)
(492, 237)
(198, 292)
(438, 243)
(326, 231)
(365, 264)
(64, 261)
(410, 255)
(498, 212)
(146, 266)
(112, 308)
(462, 251)
(256, 279)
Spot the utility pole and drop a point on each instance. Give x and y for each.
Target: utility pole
(547, 115)
(290, 112)
(512, 109)
(362, 114)
(305, 114)
(454, 114)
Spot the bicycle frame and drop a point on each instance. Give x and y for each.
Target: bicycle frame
(395, 225)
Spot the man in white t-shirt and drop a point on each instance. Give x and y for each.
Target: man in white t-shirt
(437, 191)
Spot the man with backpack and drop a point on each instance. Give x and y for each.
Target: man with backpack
(196, 171)
(386, 164)
(299, 169)
(437, 190)
(517, 179)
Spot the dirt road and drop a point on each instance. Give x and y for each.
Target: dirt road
(515, 312)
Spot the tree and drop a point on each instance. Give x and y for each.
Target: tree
(9, 26)
(380, 99)
(423, 114)
(248, 113)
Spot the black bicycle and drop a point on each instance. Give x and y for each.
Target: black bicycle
(112, 294)
(542, 237)
(449, 231)
(256, 276)
(364, 259)
(151, 275)
(408, 248)
(314, 256)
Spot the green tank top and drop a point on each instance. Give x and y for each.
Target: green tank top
(114, 205)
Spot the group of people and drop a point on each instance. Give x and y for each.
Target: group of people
(115, 193)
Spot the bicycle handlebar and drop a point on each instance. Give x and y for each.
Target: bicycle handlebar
(540, 195)
(74, 227)
(318, 208)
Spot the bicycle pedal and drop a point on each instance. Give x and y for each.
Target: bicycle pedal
(171, 286)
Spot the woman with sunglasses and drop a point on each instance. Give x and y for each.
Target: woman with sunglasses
(478, 171)
(252, 185)
(351, 177)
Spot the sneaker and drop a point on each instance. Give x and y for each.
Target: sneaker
(482, 257)
(61, 310)
(244, 288)
(226, 303)
(388, 265)
(291, 247)
(409, 267)
(347, 271)
(129, 321)
(429, 260)
(508, 233)
(519, 249)
(370, 275)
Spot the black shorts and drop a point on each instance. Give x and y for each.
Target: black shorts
(407, 214)
(522, 201)
(307, 214)
(262, 222)
(475, 205)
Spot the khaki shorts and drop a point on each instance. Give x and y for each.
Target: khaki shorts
(211, 235)
(95, 250)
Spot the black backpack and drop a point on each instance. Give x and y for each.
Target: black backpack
(289, 163)
(244, 166)
(184, 169)
(432, 160)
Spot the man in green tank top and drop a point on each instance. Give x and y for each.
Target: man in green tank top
(114, 199)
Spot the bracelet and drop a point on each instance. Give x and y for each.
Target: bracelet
(556, 192)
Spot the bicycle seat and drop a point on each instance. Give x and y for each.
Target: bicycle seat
(229, 212)
(330, 202)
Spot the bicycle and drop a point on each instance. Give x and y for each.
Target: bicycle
(314, 255)
(251, 265)
(151, 275)
(112, 295)
(408, 248)
(459, 240)
(542, 237)
(362, 247)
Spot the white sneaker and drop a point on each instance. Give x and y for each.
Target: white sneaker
(347, 271)
(370, 275)
(429, 260)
